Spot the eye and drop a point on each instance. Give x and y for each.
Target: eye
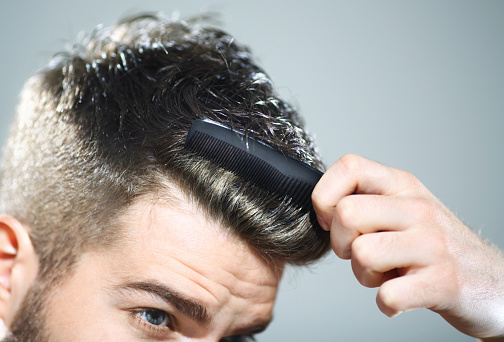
(155, 317)
(238, 338)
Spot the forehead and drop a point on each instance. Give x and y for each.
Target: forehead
(180, 228)
(173, 241)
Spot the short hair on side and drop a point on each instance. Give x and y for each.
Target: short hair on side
(105, 123)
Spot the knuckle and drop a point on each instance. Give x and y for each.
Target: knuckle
(351, 162)
(440, 254)
(410, 180)
(362, 253)
(451, 283)
(346, 212)
(363, 262)
(424, 209)
(390, 302)
(408, 176)
(341, 250)
(364, 278)
(437, 245)
(321, 202)
(316, 195)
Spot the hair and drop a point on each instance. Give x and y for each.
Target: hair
(104, 124)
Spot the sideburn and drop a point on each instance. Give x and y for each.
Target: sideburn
(30, 322)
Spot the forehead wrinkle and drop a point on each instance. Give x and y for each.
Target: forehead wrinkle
(245, 290)
(189, 307)
(245, 278)
(240, 289)
(237, 269)
(199, 283)
(262, 274)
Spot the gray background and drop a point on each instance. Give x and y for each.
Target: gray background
(417, 85)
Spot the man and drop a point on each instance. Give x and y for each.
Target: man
(114, 231)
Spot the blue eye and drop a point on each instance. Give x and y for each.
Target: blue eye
(155, 317)
(238, 338)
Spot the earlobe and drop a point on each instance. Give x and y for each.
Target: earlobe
(8, 251)
(18, 264)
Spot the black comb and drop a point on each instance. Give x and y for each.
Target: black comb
(254, 161)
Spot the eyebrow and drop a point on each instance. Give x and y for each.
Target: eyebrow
(188, 307)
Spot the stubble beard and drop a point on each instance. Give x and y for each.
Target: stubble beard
(29, 323)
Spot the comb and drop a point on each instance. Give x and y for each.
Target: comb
(252, 160)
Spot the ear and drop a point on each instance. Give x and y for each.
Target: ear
(18, 265)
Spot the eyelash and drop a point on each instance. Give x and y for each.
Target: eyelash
(154, 330)
(160, 331)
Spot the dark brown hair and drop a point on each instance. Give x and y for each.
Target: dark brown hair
(105, 124)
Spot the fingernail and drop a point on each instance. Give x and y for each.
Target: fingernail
(322, 223)
(396, 314)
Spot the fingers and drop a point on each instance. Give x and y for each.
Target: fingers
(411, 267)
(353, 174)
(362, 214)
(379, 257)
(431, 288)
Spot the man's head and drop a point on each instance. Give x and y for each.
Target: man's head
(99, 134)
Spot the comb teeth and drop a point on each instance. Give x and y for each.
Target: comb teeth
(253, 161)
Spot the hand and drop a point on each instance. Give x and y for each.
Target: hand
(403, 240)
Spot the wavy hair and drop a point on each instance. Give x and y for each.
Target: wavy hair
(104, 124)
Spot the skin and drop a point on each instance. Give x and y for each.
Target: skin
(402, 239)
(176, 276)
